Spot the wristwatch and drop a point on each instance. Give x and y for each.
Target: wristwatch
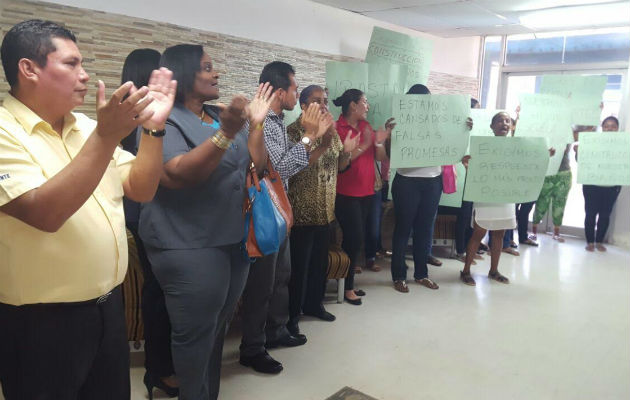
(307, 142)
(153, 132)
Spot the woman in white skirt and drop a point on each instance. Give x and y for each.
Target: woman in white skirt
(490, 217)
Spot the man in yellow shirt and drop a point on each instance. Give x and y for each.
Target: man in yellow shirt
(63, 247)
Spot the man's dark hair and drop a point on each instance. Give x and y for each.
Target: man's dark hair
(497, 116)
(473, 102)
(611, 118)
(30, 39)
(277, 73)
(185, 61)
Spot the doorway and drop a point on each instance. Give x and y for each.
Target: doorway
(515, 83)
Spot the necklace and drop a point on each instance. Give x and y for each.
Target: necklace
(203, 114)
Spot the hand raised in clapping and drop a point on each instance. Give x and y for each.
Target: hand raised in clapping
(233, 116)
(351, 143)
(147, 106)
(162, 89)
(257, 108)
(310, 120)
(325, 123)
(390, 124)
(381, 135)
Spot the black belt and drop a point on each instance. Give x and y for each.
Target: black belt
(97, 301)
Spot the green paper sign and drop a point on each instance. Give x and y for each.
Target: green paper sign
(391, 47)
(506, 169)
(583, 92)
(430, 130)
(482, 118)
(585, 110)
(384, 80)
(604, 158)
(570, 86)
(547, 116)
(455, 199)
(341, 76)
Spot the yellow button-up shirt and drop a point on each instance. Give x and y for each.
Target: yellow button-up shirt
(87, 256)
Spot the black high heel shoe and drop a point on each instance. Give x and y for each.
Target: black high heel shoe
(151, 381)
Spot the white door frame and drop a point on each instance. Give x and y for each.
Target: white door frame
(614, 68)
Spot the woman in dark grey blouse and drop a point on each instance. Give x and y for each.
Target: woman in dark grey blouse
(194, 226)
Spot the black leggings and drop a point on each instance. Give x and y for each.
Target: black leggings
(351, 212)
(598, 200)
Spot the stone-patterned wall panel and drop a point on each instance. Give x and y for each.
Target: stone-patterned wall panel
(105, 40)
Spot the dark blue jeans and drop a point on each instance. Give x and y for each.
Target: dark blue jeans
(463, 230)
(415, 205)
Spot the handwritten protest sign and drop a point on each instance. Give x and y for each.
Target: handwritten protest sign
(604, 158)
(391, 47)
(506, 169)
(430, 130)
(341, 76)
(574, 85)
(384, 80)
(548, 116)
(584, 94)
(585, 110)
(455, 199)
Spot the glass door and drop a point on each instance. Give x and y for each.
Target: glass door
(529, 82)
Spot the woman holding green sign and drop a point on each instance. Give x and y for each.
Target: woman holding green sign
(599, 202)
(416, 193)
(490, 217)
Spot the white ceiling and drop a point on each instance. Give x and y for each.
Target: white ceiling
(453, 18)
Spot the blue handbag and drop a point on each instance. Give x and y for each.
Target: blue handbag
(268, 213)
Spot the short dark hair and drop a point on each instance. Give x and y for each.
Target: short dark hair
(418, 88)
(138, 66)
(349, 96)
(473, 102)
(185, 61)
(611, 118)
(277, 73)
(31, 39)
(498, 115)
(307, 91)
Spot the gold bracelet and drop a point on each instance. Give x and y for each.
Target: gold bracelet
(259, 126)
(220, 140)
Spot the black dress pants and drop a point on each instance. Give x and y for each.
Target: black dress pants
(352, 213)
(65, 351)
(309, 263)
(598, 204)
(522, 219)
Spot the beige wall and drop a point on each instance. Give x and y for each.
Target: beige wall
(105, 40)
(294, 23)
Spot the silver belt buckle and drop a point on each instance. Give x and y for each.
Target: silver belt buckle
(103, 298)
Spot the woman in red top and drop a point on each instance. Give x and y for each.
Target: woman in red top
(355, 186)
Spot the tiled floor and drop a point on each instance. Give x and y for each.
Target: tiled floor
(560, 330)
